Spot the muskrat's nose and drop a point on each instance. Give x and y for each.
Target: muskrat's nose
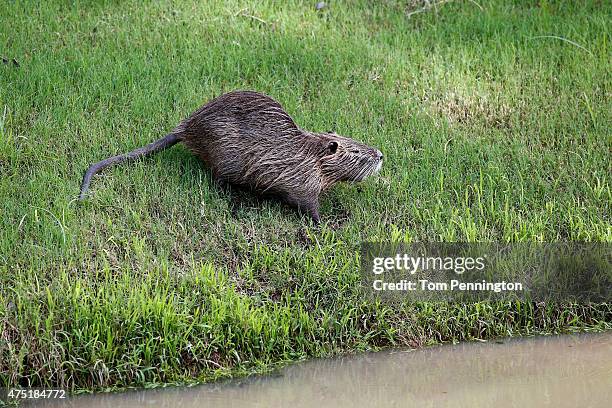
(379, 155)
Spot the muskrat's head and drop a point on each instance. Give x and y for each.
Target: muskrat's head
(344, 159)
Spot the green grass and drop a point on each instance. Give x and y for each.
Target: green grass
(491, 132)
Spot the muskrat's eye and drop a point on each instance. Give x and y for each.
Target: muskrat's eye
(333, 146)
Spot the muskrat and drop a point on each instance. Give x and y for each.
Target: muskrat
(247, 139)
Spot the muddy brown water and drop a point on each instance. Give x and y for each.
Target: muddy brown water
(557, 371)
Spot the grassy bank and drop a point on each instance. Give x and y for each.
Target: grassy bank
(494, 119)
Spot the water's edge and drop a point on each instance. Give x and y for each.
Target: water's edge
(568, 370)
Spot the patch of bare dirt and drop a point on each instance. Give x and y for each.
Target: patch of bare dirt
(469, 109)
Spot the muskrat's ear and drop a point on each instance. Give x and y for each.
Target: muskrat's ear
(332, 147)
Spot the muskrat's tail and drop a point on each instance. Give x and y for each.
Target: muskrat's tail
(158, 145)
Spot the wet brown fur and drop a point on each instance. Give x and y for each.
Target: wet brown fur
(247, 139)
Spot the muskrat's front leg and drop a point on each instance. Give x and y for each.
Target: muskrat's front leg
(313, 212)
(308, 206)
